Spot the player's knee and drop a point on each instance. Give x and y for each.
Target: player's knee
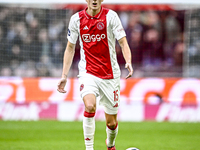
(111, 125)
(90, 108)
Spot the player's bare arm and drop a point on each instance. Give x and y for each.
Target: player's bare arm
(68, 57)
(127, 55)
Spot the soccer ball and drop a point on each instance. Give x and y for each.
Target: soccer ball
(132, 148)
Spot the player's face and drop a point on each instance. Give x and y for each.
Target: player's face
(94, 5)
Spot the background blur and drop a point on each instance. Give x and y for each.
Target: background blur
(33, 40)
(164, 40)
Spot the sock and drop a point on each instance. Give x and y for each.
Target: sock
(111, 135)
(89, 129)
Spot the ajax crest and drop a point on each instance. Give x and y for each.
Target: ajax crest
(100, 26)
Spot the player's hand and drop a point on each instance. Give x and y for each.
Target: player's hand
(61, 85)
(130, 69)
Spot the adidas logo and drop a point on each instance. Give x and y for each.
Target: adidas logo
(116, 105)
(85, 28)
(87, 139)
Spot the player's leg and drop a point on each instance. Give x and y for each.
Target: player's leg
(111, 129)
(110, 98)
(89, 91)
(89, 120)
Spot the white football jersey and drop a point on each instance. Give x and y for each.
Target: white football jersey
(97, 41)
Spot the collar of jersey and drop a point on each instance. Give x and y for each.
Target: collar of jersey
(97, 16)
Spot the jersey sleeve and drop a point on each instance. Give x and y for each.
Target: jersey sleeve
(117, 27)
(72, 34)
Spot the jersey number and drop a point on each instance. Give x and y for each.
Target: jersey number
(116, 97)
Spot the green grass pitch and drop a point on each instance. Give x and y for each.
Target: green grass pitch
(55, 135)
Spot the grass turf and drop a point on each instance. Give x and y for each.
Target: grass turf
(55, 135)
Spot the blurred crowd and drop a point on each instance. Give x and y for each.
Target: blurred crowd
(32, 42)
(156, 41)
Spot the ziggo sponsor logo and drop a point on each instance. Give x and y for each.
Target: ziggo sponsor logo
(93, 38)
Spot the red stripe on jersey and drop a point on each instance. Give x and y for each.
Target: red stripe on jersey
(93, 32)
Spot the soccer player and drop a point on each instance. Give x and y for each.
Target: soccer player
(99, 72)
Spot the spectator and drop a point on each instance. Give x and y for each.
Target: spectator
(136, 46)
(152, 48)
(3, 47)
(134, 23)
(178, 53)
